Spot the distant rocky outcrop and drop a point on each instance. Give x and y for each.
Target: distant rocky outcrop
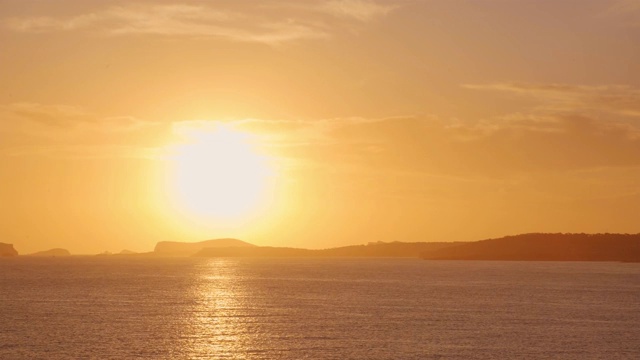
(127, 252)
(379, 249)
(7, 250)
(255, 251)
(52, 253)
(546, 247)
(386, 249)
(173, 248)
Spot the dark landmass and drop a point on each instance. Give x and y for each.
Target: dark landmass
(52, 252)
(546, 247)
(255, 251)
(173, 248)
(129, 253)
(526, 247)
(387, 249)
(379, 249)
(7, 250)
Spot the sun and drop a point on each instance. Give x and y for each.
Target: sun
(217, 173)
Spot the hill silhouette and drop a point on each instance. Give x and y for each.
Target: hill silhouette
(175, 248)
(255, 251)
(52, 252)
(386, 249)
(379, 249)
(546, 247)
(7, 250)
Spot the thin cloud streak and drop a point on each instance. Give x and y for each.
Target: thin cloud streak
(65, 118)
(54, 131)
(497, 148)
(204, 21)
(582, 127)
(361, 10)
(173, 20)
(614, 99)
(628, 11)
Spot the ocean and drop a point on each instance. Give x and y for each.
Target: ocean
(241, 308)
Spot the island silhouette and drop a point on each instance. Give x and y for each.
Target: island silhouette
(175, 248)
(52, 253)
(7, 250)
(524, 247)
(546, 247)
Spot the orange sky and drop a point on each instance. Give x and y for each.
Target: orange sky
(342, 122)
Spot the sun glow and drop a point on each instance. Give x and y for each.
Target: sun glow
(217, 174)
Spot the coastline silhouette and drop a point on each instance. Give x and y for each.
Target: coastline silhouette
(523, 247)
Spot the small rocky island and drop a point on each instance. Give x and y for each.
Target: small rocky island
(7, 250)
(174, 248)
(52, 253)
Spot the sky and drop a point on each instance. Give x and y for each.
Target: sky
(316, 123)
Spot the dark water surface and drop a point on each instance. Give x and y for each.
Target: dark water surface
(128, 308)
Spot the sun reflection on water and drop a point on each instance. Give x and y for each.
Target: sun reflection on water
(218, 326)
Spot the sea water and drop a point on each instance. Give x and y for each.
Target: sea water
(239, 308)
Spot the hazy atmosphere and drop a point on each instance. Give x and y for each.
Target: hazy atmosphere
(316, 123)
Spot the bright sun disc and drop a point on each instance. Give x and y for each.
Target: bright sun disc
(218, 174)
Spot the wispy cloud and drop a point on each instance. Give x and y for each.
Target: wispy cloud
(52, 130)
(66, 118)
(501, 148)
(497, 148)
(628, 11)
(173, 20)
(613, 99)
(237, 24)
(143, 18)
(82, 151)
(504, 147)
(362, 10)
